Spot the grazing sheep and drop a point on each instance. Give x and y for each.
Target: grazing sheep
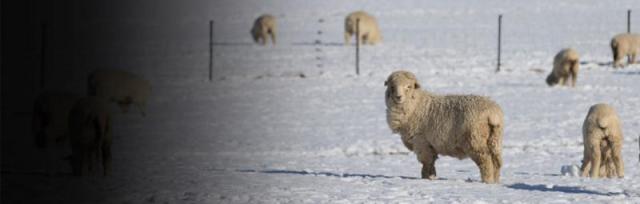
(460, 126)
(565, 66)
(50, 126)
(602, 137)
(625, 45)
(369, 32)
(90, 138)
(264, 26)
(121, 87)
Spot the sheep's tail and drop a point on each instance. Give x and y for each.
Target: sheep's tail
(495, 139)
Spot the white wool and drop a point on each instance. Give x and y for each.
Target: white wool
(453, 125)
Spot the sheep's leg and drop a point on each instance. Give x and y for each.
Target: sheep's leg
(595, 158)
(606, 168)
(632, 58)
(364, 39)
(347, 38)
(586, 167)
(264, 35)
(561, 80)
(586, 161)
(273, 36)
(574, 75)
(616, 156)
(427, 156)
(485, 164)
(497, 164)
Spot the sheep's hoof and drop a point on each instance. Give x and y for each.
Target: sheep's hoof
(430, 177)
(490, 182)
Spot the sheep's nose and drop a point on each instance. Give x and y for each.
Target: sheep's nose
(398, 97)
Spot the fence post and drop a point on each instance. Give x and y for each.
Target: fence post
(499, 41)
(210, 50)
(629, 21)
(43, 49)
(358, 46)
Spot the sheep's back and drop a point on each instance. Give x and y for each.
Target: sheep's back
(452, 117)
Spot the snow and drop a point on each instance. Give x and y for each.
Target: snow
(293, 123)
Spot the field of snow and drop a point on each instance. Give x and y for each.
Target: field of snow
(293, 123)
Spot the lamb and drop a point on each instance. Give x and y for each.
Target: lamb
(369, 32)
(50, 126)
(264, 26)
(602, 135)
(565, 66)
(121, 87)
(625, 45)
(460, 126)
(90, 138)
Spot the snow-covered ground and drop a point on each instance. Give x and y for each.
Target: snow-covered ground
(293, 123)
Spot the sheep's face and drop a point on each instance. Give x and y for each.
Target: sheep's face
(400, 87)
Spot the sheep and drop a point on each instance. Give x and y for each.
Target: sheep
(565, 66)
(602, 136)
(369, 31)
(625, 45)
(264, 26)
(50, 126)
(90, 135)
(460, 126)
(121, 87)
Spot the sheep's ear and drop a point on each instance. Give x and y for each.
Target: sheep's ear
(416, 86)
(386, 83)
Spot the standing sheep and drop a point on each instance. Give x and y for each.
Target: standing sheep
(50, 126)
(90, 138)
(121, 87)
(460, 126)
(625, 45)
(369, 31)
(602, 136)
(565, 66)
(264, 26)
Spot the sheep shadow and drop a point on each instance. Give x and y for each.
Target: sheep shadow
(324, 173)
(559, 189)
(528, 174)
(627, 73)
(601, 64)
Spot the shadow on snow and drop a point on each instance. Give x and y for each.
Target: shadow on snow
(321, 173)
(559, 189)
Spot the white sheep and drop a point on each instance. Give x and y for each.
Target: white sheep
(263, 27)
(90, 138)
(460, 126)
(625, 45)
(369, 31)
(50, 126)
(602, 136)
(565, 66)
(121, 87)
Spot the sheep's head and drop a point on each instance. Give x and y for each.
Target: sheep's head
(254, 33)
(401, 86)
(552, 79)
